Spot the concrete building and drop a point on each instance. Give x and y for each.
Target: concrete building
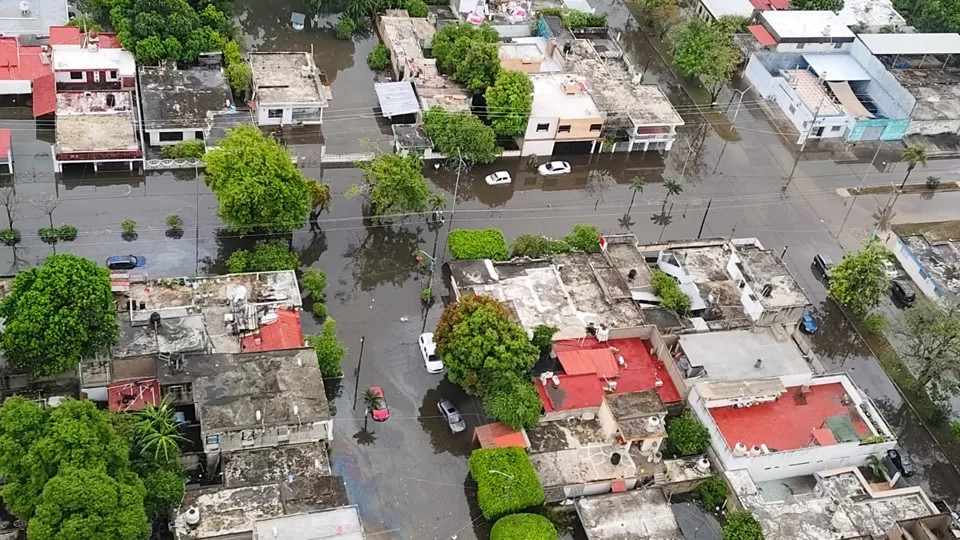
(712, 10)
(32, 17)
(98, 128)
(641, 514)
(871, 16)
(776, 431)
(635, 418)
(92, 61)
(563, 117)
(181, 104)
(806, 31)
(930, 254)
(287, 89)
(530, 55)
(26, 70)
(829, 505)
(849, 95)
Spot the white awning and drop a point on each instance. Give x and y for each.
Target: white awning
(911, 44)
(849, 100)
(836, 67)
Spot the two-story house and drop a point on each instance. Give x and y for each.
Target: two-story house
(563, 117)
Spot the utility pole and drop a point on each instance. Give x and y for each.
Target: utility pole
(803, 145)
(732, 123)
(863, 180)
(704, 221)
(356, 389)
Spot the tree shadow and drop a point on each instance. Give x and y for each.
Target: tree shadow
(365, 437)
(626, 221)
(441, 438)
(229, 241)
(129, 236)
(384, 256)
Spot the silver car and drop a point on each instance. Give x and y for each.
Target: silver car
(451, 415)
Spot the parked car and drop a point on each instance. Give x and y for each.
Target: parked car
(428, 349)
(125, 262)
(498, 178)
(808, 324)
(451, 415)
(823, 264)
(903, 292)
(554, 168)
(890, 269)
(380, 412)
(902, 461)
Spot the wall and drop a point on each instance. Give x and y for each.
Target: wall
(579, 129)
(900, 102)
(540, 148)
(605, 417)
(518, 64)
(15, 87)
(893, 130)
(912, 266)
(533, 135)
(263, 118)
(933, 127)
(154, 135)
(63, 77)
(749, 298)
(808, 48)
(231, 441)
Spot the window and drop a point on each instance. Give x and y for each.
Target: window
(596, 127)
(112, 75)
(274, 113)
(837, 45)
(76, 76)
(563, 129)
(836, 128)
(170, 136)
(543, 127)
(793, 109)
(198, 135)
(800, 45)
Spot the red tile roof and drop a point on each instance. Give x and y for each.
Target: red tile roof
(763, 35)
(64, 35)
(4, 145)
(581, 362)
(587, 390)
(133, 395)
(44, 95)
(790, 422)
(109, 40)
(20, 63)
(497, 435)
(285, 333)
(771, 5)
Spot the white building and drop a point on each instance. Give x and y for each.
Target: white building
(871, 15)
(32, 17)
(711, 10)
(287, 89)
(90, 61)
(807, 31)
(563, 116)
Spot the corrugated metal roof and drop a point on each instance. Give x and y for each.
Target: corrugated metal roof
(902, 44)
(587, 361)
(397, 98)
(763, 35)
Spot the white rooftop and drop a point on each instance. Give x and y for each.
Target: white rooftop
(551, 100)
(639, 514)
(719, 8)
(40, 16)
(732, 355)
(340, 523)
(806, 24)
(906, 44)
(872, 13)
(77, 59)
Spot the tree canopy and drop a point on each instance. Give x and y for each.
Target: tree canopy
(859, 281)
(461, 136)
(523, 527)
(267, 256)
(508, 103)
(451, 43)
(56, 315)
(256, 183)
(506, 481)
(931, 15)
(704, 49)
(329, 348)
(741, 525)
(930, 337)
(514, 401)
(686, 435)
(479, 68)
(467, 244)
(394, 185)
(817, 5)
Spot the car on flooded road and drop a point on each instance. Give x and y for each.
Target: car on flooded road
(451, 415)
(379, 410)
(554, 168)
(808, 324)
(125, 262)
(428, 350)
(499, 178)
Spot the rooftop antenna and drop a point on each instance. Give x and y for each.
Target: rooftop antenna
(259, 416)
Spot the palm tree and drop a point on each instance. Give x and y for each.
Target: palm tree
(371, 400)
(158, 432)
(320, 193)
(673, 188)
(637, 184)
(913, 155)
(875, 466)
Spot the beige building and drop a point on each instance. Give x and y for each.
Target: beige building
(563, 118)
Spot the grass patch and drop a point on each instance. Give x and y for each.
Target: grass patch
(909, 189)
(934, 231)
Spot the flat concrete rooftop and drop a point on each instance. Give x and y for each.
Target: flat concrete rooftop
(552, 100)
(286, 78)
(113, 132)
(583, 465)
(182, 98)
(639, 514)
(273, 465)
(937, 92)
(41, 16)
(732, 355)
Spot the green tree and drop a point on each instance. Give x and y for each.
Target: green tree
(701, 49)
(537, 246)
(508, 103)
(329, 348)
(379, 57)
(687, 436)
(416, 8)
(315, 281)
(80, 504)
(56, 315)
(85, 24)
(371, 400)
(584, 238)
(670, 293)
(451, 43)
(256, 183)
(506, 481)
(345, 27)
(393, 184)
(523, 527)
(741, 525)
(150, 50)
(192, 149)
(240, 77)
(930, 337)
(479, 68)
(673, 188)
(267, 256)
(817, 5)
(468, 244)
(480, 343)
(637, 184)
(860, 281)
(543, 337)
(165, 489)
(320, 196)
(514, 401)
(461, 136)
(713, 493)
(158, 433)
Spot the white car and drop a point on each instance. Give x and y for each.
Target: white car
(890, 269)
(554, 168)
(498, 178)
(429, 351)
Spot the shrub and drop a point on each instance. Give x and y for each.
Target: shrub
(49, 235)
(466, 244)
(875, 322)
(574, 19)
(345, 28)
(933, 182)
(523, 527)
(741, 525)
(584, 238)
(671, 296)
(329, 349)
(543, 337)
(536, 246)
(416, 8)
(267, 256)
(128, 226)
(174, 222)
(10, 237)
(713, 493)
(512, 488)
(955, 427)
(686, 435)
(194, 148)
(67, 233)
(315, 281)
(515, 403)
(379, 57)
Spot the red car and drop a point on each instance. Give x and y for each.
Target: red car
(380, 411)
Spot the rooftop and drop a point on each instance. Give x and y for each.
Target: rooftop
(794, 25)
(235, 511)
(875, 14)
(397, 98)
(283, 333)
(685, 469)
(133, 395)
(814, 513)
(275, 465)
(88, 122)
(811, 92)
(182, 98)
(40, 16)
(584, 465)
(911, 44)
(499, 435)
(79, 59)
(567, 434)
(587, 390)
(286, 78)
(340, 523)
(562, 96)
(792, 422)
(937, 92)
(411, 136)
(940, 259)
(732, 355)
(639, 514)
(719, 8)
(21, 63)
(631, 410)
(174, 334)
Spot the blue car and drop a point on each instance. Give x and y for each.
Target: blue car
(125, 262)
(808, 324)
